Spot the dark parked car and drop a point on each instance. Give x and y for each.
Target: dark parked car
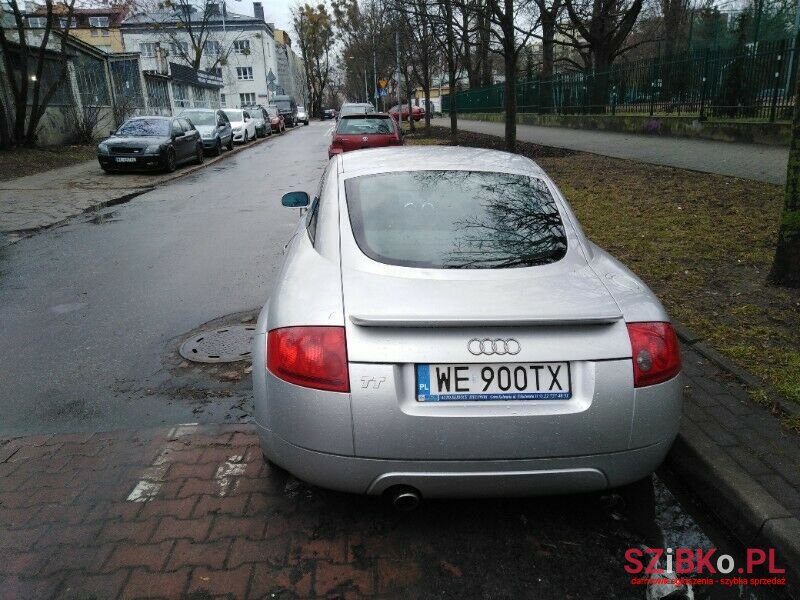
(145, 143)
(329, 113)
(357, 132)
(214, 127)
(287, 106)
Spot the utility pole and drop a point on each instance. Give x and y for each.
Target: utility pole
(366, 92)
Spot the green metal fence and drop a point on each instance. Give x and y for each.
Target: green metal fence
(752, 82)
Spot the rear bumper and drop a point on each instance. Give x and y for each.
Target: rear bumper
(467, 478)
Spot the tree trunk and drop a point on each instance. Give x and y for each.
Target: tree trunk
(601, 62)
(451, 70)
(510, 100)
(546, 75)
(786, 265)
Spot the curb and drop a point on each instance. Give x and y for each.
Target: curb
(691, 339)
(743, 505)
(11, 237)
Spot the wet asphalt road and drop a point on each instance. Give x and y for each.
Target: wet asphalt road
(91, 312)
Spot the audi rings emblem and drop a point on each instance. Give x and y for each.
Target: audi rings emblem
(498, 346)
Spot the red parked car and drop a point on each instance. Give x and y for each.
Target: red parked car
(356, 132)
(417, 112)
(276, 121)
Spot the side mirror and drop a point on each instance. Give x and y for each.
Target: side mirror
(112, 132)
(295, 200)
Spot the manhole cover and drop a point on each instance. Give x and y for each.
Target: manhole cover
(224, 344)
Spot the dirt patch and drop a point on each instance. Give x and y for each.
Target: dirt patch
(29, 161)
(704, 243)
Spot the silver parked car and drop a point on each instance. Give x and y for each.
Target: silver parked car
(443, 327)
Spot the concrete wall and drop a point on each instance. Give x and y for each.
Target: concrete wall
(773, 134)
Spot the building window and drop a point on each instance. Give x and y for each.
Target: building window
(95, 32)
(216, 71)
(37, 22)
(241, 46)
(213, 48)
(248, 99)
(244, 73)
(179, 48)
(105, 33)
(63, 23)
(148, 49)
(180, 93)
(222, 99)
(98, 22)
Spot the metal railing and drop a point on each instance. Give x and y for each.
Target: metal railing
(755, 82)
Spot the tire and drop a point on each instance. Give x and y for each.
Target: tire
(246, 138)
(172, 163)
(218, 147)
(229, 145)
(200, 155)
(106, 169)
(306, 123)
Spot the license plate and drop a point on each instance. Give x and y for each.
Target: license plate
(125, 159)
(496, 381)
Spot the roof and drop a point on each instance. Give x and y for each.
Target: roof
(165, 17)
(436, 158)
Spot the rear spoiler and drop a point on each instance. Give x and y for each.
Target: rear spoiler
(397, 321)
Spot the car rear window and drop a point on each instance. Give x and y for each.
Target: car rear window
(455, 219)
(365, 126)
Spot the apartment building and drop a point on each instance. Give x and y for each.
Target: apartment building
(239, 49)
(98, 27)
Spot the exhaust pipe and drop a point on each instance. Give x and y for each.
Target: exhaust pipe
(405, 499)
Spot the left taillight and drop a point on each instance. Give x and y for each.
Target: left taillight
(313, 357)
(656, 353)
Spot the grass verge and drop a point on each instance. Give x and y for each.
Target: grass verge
(20, 162)
(704, 243)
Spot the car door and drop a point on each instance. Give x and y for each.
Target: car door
(178, 140)
(191, 137)
(223, 127)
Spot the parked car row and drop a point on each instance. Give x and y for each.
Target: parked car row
(164, 143)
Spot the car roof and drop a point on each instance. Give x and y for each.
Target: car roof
(435, 158)
(152, 118)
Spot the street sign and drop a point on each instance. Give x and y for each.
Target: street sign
(383, 83)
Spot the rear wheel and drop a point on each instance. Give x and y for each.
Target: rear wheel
(171, 161)
(200, 155)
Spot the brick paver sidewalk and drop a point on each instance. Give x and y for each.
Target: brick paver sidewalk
(195, 512)
(750, 161)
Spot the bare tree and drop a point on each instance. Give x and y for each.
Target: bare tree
(192, 31)
(315, 33)
(549, 14)
(513, 24)
(786, 264)
(35, 71)
(419, 33)
(602, 26)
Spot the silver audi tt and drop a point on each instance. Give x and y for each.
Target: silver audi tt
(443, 327)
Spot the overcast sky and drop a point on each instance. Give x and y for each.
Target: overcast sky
(275, 11)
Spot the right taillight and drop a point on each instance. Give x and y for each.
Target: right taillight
(656, 353)
(314, 357)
